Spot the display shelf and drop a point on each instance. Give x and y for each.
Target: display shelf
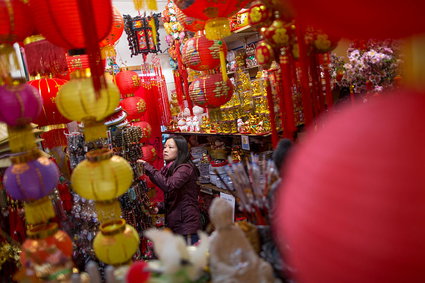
(244, 69)
(242, 34)
(214, 134)
(209, 188)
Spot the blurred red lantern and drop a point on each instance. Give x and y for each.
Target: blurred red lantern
(215, 13)
(134, 106)
(117, 29)
(321, 42)
(361, 207)
(340, 19)
(200, 53)
(48, 89)
(211, 91)
(277, 34)
(60, 21)
(46, 244)
(137, 273)
(149, 153)
(259, 14)
(146, 129)
(77, 62)
(189, 23)
(128, 82)
(15, 21)
(264, 54)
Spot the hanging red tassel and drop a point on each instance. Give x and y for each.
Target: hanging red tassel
(184, 75)
(325, 61)
(287, 83)
(316, 90)
(270, 103)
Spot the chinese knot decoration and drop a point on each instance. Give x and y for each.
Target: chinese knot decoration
(142, 34)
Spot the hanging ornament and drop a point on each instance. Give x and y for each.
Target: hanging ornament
(102, 176)
(211, 91)
(15, 21)
(77, 101)
(146, 130)
(134, 106)
(116, 242)
(189, 23)
(142, 34)
(48, 89)
(46, 245)
(149, 153)
(200, 53)
(259, 14)
(264, 54)
(44, 58)
(215, 13)
(322, 42)
(145, 4)
(107, 45)
(277, 34)
(20, 104)
(60, 21)
(128, 83)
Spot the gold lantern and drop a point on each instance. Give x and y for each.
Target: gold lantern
(78, 101)
(116, 242)
(102, 176)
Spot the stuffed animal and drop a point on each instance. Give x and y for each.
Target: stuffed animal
(232, 258)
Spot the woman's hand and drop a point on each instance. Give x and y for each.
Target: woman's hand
(141, 165)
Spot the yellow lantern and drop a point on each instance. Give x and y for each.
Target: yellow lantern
(116, 242)
(102, 176)
(78, 101)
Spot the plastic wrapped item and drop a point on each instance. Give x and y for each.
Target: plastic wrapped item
(232, 258)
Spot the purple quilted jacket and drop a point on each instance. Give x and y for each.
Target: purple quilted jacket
(181, 191)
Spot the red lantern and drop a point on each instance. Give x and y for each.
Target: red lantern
(134, 106)
(46, 244)
(149, 153)
(200, 53)
(146, 129)
(259, 14)
(128, 82)
(189, 23)
(362, 206)
(264, 54)
(50, 114)
(211, 91)
(60, 21)
(340, 19)
(116, 31)
(216, 13)
(15, 21)
(77, 62)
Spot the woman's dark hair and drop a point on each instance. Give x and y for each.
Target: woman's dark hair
(280, 154)
(183, 154)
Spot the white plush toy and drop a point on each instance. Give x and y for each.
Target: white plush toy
(186, 112)
(178, 261)
(197, 110)
(181, 124)
(195, 123)
(240, 124)
(189, 124)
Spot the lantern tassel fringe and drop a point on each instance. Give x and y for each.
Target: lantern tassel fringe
(39, 211)
(94, 130)
(217, 28)
(21, 139)
(108, 210)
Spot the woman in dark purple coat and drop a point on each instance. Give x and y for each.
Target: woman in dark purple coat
(178, 181)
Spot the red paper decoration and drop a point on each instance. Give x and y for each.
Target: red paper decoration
(264, 54)
(211, 91)
(146, 129)
(117, 29)
(134, 106)
(368, 20)
(361, 207)
(54, 138)
(200, 53)
(189, 23)
(205, 9)
(60, 21)
(77, 62)
(259, 14)
(48, 89)
(277, 34)
(15, 21)
(149, 153)
(128, 82)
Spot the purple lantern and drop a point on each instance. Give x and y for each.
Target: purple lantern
(31, 180)
(19, 105)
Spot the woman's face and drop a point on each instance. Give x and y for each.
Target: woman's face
(170, 150)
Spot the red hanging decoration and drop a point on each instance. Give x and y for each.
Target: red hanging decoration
(200, 53)
(149, 153)
(211, 91)
(116, 30)
(287, 111)
(270, 104)
(48, 89)
(146, 129)
(189, 23)
(54, 138)
(62, 24)
(264, 54)
(15, 21)
(134, 106)
(77, 62)
(128, 83)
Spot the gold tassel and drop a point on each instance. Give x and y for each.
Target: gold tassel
(39, 211)
(223, 63)
(217, 28)
(21, 138)
(8, 61)
(152, 5)
(94, 130)
(108, 51)
(414, 73)
(138, 4)
(108, 210)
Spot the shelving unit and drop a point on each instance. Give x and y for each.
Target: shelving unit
(215, 134)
